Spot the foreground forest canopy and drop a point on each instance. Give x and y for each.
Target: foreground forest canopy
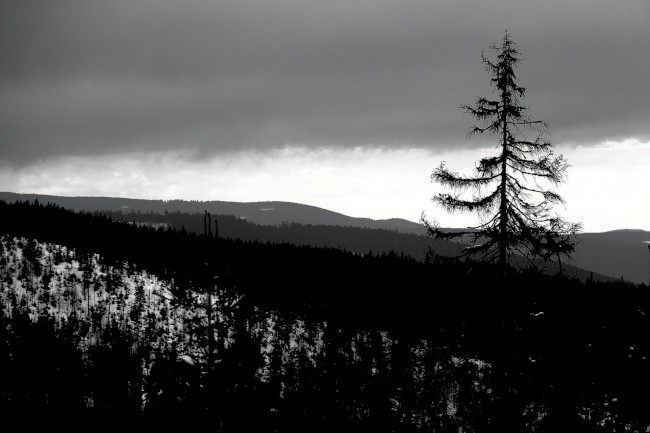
(107, 320)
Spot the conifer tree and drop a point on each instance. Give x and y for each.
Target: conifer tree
(510, 191)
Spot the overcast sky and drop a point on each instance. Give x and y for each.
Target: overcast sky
(342, 104)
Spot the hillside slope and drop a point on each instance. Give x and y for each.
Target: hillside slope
(87, 333)
(618, 253)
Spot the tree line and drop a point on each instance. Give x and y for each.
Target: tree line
(356, 239)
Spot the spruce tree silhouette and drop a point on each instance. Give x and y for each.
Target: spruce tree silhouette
(515, 211)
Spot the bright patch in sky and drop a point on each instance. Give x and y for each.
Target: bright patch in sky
(605, 189)
(608, 185)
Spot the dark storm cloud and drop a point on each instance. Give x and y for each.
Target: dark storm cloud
(87, 77)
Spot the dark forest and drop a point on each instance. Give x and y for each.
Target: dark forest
(136, 325)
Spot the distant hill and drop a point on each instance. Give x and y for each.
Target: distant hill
(614, 254)
(264, 212)
(617, 253)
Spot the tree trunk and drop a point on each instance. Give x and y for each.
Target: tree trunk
(503, 208)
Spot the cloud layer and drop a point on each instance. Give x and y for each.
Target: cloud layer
(207, 77)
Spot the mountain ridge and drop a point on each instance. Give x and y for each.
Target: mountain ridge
(260, 212)
(619, 253)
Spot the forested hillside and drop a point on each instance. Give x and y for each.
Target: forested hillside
(106, 320)
(355, 239)
(598, 256)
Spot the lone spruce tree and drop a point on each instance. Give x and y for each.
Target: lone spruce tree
(508, 190)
